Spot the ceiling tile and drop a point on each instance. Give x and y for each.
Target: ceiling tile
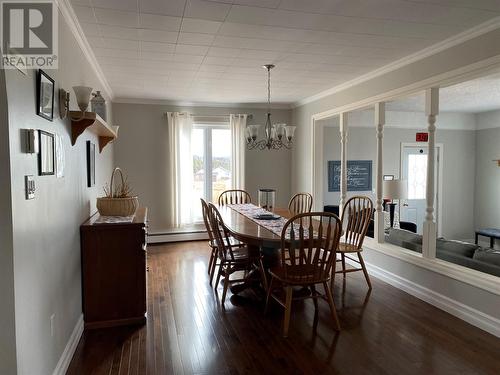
(121, 53)
(207, 10)
(188, 49)
(199, 49)
(194, 25)
(121, 43)
(196, 38)
(160, 22)
(130, 5)
(119, 32)
(260, 3)
(116, 17)
(157, 47)
(160, 36)
(169, 7)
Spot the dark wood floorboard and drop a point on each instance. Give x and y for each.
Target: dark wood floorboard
(188, 332)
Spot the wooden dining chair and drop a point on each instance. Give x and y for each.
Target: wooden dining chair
(234, 196)
(356, 216)
(300, 203)
(232, 259)
(212, 263)
(308, 251)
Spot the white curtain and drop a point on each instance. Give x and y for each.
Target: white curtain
(180, 126)
(238, 125)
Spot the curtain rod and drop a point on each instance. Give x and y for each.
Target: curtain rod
(249, 115)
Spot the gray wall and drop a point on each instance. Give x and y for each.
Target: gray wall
(46, 230)
(487, 194)
(458, 168)
(7, 307)
(475, 50)
(143, 153)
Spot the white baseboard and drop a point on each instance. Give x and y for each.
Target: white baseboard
(177, 237)
(475, 317)
(69, 350)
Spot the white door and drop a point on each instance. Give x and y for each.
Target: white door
(414, 170)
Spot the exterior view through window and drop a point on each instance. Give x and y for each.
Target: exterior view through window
(211, 149)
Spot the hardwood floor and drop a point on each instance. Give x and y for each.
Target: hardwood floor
(187, 331)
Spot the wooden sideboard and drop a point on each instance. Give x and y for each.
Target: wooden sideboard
(114, 271)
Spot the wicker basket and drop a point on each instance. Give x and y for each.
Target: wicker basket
(117, 206)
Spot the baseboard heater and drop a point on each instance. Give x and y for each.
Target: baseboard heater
(162, 237)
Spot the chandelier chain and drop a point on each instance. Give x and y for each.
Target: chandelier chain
(269, 89)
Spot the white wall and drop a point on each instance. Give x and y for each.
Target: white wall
(458, 160)
(143, 153)
(487, 194)
(46, 232)
(7, 307)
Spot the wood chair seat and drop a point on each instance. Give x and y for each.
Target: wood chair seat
(348, 248)
(304, 275)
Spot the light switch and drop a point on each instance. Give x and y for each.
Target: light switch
(29, 185)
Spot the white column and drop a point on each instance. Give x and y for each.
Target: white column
(379, 214)
(343, 161)
(429, 229)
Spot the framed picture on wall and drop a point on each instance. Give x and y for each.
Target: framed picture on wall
(45, 96)
(90, 164)
(46, 154)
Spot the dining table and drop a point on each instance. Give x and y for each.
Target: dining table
(260, 236)
(240, 224)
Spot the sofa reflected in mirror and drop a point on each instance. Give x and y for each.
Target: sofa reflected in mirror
(465, 254)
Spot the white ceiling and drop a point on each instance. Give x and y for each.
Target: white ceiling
(212, 51)
(475, 96)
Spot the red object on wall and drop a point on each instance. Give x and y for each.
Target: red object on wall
(422, 137)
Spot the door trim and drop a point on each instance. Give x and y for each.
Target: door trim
(439, 195)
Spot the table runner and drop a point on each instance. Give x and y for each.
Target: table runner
(250, 210)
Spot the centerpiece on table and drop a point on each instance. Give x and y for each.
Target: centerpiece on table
(118, 200)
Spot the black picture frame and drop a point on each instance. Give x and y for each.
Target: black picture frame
(90, 164)
(45, 96)
(46, 154)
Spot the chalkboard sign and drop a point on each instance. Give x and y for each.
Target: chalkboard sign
(359, 175)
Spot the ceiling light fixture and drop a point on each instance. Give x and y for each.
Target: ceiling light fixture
(277, 135)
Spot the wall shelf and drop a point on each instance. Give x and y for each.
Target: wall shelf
(93, 122)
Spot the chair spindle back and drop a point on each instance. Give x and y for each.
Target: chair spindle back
(300, 203)
(234, 196)
(221, 236)
(356, 216)
(308, 245)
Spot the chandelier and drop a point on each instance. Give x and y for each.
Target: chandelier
(277, 135)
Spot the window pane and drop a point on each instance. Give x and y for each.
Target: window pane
(198, 150)
(221, 162)
(417, 176)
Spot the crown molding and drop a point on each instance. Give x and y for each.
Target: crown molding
(286, 106)
(69, 15)
(462, 37)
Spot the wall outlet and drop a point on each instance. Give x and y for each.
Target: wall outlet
(52, 324)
